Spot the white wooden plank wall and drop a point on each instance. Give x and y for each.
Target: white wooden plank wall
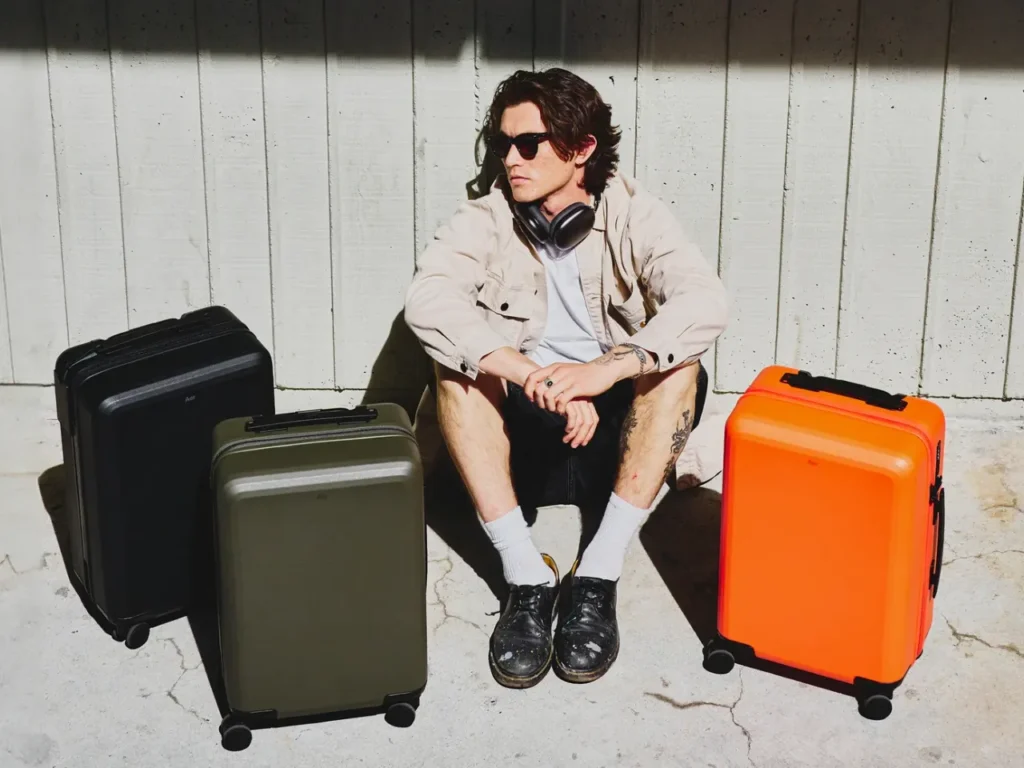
(860, 195)
(1015, 364)
(81, 97)
(681, 108)
(814, 201)
(444, 109)
(504, 44)
(296, 110)
(760, 33)
(369, 49)
(980, 168)
(596, 39)
(234, 157)
(6, 364)
(29, 225)
(897, 112)
(158, 126)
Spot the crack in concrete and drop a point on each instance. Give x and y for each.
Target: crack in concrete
(683, 705)
(440, 600)
(44, 563)
(1014, 505)
(984, 554)
(184, 670)
(961, 636)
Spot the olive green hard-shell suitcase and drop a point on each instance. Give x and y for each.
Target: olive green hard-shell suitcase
(321, 568)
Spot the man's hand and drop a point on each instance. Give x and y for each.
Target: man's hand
(553, 386)
(582, 422)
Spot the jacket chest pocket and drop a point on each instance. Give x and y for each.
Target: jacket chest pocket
(506, 308)
(631, 310)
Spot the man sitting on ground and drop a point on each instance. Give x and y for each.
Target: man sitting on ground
(566, 312)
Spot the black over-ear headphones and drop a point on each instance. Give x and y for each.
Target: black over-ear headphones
(565, 231)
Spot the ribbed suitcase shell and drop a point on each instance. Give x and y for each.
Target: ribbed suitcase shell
(321, 562)
(137, 412)
(832, 524)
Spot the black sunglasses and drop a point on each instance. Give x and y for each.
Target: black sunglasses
(526, 144)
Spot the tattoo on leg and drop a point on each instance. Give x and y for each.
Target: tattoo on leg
(628, 425)
(679, 438)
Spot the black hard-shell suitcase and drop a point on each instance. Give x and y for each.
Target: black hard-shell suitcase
(137, 413)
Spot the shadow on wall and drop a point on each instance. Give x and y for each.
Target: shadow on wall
(402, 370)
(585, 32)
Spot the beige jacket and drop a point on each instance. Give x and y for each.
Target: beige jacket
(479, 285)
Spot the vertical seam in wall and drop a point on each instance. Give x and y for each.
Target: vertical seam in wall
(202, 149)
(7, 307)
(266, 180)
(785, 178)
(935, 206)
(849, 165)
(56, 179)
(533, 35)
(415, 154)
(636, 84)
(721, 179)
(1013, 297)
(476, 71)
(117, 161)
(330, 195)
(563, 12)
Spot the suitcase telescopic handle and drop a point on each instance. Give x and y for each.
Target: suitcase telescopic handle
(876, 397)
(311, 418)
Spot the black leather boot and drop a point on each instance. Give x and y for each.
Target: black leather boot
(587, 641)
(521, 646)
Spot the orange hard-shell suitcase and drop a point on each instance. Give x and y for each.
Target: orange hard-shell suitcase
(832, 529)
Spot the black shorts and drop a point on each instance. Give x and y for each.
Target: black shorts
(546, 471)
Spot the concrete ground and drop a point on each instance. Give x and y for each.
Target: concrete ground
(70, 697)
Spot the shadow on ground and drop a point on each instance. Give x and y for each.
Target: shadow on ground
(681, 538)
(201, 619)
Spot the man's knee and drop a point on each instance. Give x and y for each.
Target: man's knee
(684, 387)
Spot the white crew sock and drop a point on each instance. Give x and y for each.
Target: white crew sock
(604, 556)
(521, 561)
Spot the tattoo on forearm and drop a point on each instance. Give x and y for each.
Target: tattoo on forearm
(621, 352)
(679, 438)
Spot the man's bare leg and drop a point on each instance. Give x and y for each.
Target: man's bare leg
(653, 435)
(470, 419)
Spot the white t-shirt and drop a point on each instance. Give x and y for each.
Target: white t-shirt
(569, 334)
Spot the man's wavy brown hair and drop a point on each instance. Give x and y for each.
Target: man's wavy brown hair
(571, 109)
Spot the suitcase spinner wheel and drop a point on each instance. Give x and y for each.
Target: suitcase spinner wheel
(237, 735)
(833, 522)
(135, 637)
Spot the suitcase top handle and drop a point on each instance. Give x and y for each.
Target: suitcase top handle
(317, 417)
(876, 397)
